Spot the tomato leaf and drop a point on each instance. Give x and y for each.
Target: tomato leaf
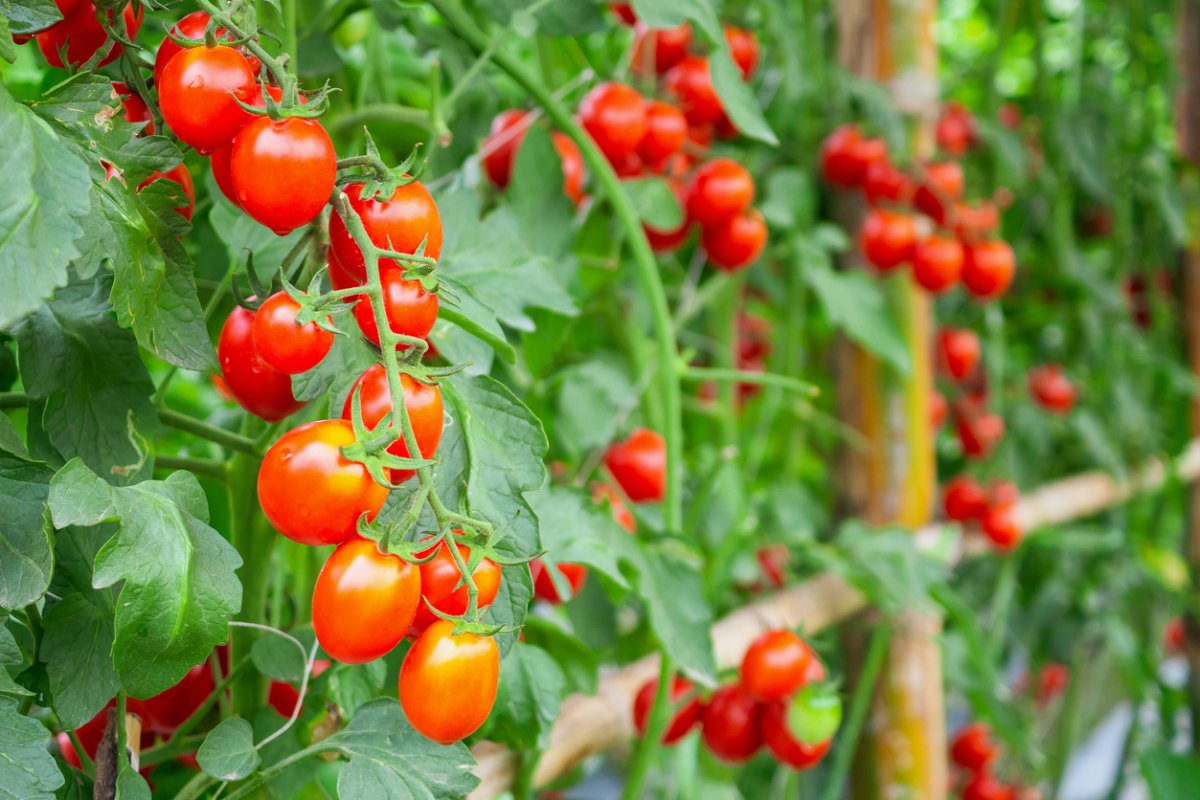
(542, 209)
(179, 585)
(562, 18)
(228, 753)
(511, 604)
(593, 397)
(76, 649)
(349, 356)
(673, 592)
(885, 565)
(240, 233)
(578, 661)
(27, 770)
(855, 303)
(577, 531)
(527, 703)
(655, 203)
(352, 685)
(25, 557)
(30, 16)
(1169, 775)
(278, 658)
(8, 48)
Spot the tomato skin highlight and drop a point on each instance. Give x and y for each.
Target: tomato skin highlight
(440, 576)
(735, 243)
(406, 219)
(82, 35)
(256, 386)
(423, 404)
(614, 115)
(685, 716)
(988, 269)
(448, 683)
(283, 171)
(783, 745)
(732, 724)
(720, 190)
(411, 311)
(196, 95)
(1000, 525)
(283, 344)
(364, 601)
(639, 465)
(310, 492)
(776, 665)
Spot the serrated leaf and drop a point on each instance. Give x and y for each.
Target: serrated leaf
(25, 558)
(228, 753)
(27, 770)
(511, 604)
(30, 16)
(855, 303)
(77, 651)
(681, 620)
(529, 698)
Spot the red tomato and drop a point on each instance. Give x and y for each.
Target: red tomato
(999, 523)
(883, 182)
(221, 157)
(776, 665)
(671, 240)
(411, 311)
(363, 601)
(191, 26)
(338, 277)
(735, 243)
(773, 560)
(283, 697)
(1010, 116)
(501, 146)
(283, 171)
(937, 263)
(937, 409)
(846, 155)
(135, 108)
(614, 115)
(732, 724)
(1175, 636)
(603, 493)
(196, 96)
(973, 748)
(166, 711)
(659, 50)
(1052, 681)
(256, 386)
(448, 683)
(988, 268)
(963, 499)
(666, 131)
(283, 344)
(941, 185)
(955, 130)
(423, 404)
(721, 189)
(972, 224)
(81, 35)
(407, 219)
(543, 584)
(982, 786)
(441, 576)
(743, 48)
(310, 492)
(958, 352)
(624, 12)
(887, 238)
(572, 165)
(1051, 389)
(686, 716)
(690, 82)
(179, 173)
(639, 465)
(978, 433)
(783, 745)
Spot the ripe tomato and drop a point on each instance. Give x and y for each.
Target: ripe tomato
(501, 146)
(220, 159)
(411, 311)
(614, 115)
(999, 524)
(448, 683)
(81, 35)
(988, 268)
(423, 404)
(179, 173)
(1010, 116)
(443, 587)
(283, 697)
(656, 51)
(973, 748)
(690, 83)
(405, 220)
(974, 223)
(196, 96)
(543, 584)
(887, 238)
(603, 493)
(883, 182)
(1051, 389)
(283, 171)
(783, 744)
(732, 724)
(639, 465)
(571, 161)
(256, 386)
(283, 344)
(666, 131)
(310, 492)
(191, 26)
(737, 242)
(1052, 681)
(846, 155)
(720, 189)
(982, 786)
(963, 499)
(958, 352)
(671, 240)
(937, 410)
(776, 665)
(364, 601)
(135, 108)
(978, 433)
(743, 48)
(955, 131)
(941, 184)
(1175, 636)
(937, 263)
(686, 716)
(624, 12)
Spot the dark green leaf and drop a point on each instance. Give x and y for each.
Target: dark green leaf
(562, 18)
(27, 770)
(30, 16)
(25, 558)
(531, 692)
(1170, 776)
(77, 651)
(228, 753)
(278, 658)
(511, 604)
(348, 357)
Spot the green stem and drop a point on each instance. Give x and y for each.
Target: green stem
(724, 376)
(723, 316)
(227, 439)
(201, 466)
(382, 112)
(261, 777)
(656, 725)
(860, 704)
(288, 7)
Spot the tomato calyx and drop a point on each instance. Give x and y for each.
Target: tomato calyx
(381, 181)
(371, 445)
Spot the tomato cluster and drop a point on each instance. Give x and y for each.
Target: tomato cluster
(974, 752)
(79, 36)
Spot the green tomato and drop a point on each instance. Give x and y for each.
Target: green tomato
(815, 713)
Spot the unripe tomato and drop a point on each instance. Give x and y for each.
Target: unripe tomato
(958, 352)
(978, 433)
(283, 344)
(196, 95)
(411, 311)
(883, 182)
(501, 146)
(400, 224)
(783, 744)
(666, 131)
(735, 243)
(937, 263)
(443, 587)
(671, 240)
(81, 35)
(135, 108)
(659, 49)
(448, 682)
(955, 131)
(887, 238)
(571, 161)
(310, 492)
(972, 224)
(180, 175)
(364, 601)
(690, 82)
(776, 665)
(256, 386)
(721, 189)
(743, 49)
(846, 155)
(972, 747)
(602, 494)
(963, 499)
(982, 786)
(988, 268)
(283, 171)
(639, 465)
(732, 724)
(686, 716)
(422, 402)
(941, 184)
(543, 583)
(1051, 389)
(614, 115)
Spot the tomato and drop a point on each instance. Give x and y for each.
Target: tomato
(720, 189)
(363, 601)
(1052, 681)
(887, 238)
(602, 493)
(1010, 116)
(310, 492)
(543, 584)
(978, 433)
(639, 465)
(220, 159)
(283, 171)
(937, 409)
(180, 175)
(670, 240)
(283, 697)
(814, 713)
(955, 131)
(191, 26)
(448, 682)
(197, 96)
(666, 131)
(982, 786)
(958, 352)
(972, 747)
(624, 12)
(338, 277)
(614, 115)
(659, 50)
(408, 218)
(883, 182)
(256, 386)
(735, 243)
(423, 404)
(283, 344)
(1051, 389)
(571, 161)
(846, 155)
(135, 108)
(988, 268)
(941, 184)
(687, 715)
(501, 146)
(1175, 636)
(783, 744)
(732, 724)
(776, 664)
(441, 576)
(963, 499)
(743, 48)
(772, 561)
(411, 311)
(999, 524)
(81, 35)
(937, 263)
(974, 223)
(690, 82)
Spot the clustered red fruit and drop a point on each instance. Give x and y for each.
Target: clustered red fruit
(975, 754)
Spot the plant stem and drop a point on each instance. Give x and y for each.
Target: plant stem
(227, 439)
(201, 466)
(382, 112)
(656, 725)
(720, 375)
(860, 704)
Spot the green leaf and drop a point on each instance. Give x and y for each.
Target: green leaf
(655, 202)
(593, 397)
(577, 531)
(472, 316)
(562, 18)
(240, 233)
(277, 658)
(790, 198)
(673, 592)
(25, 558)
(1170, 776)
(855, 303)
(531, 692)
(885, 565)
(76, 649)
(543, 212)
(8, 48)
(511, 604)
(228, 753)
(179, 588)
(30, 16)
(27, 770)
(354, 685)
(349, 356)
(578, 661)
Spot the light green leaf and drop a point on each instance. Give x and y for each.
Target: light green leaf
(655, 202)
(855, 303)
(354, 685)
(531, 692)
(228, 753)
(592, 399)
(673, 593)
(577, 531)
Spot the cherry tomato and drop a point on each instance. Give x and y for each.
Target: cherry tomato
(783, 744)
(423, 404)
(743, 48)
(999, 524)
(656, 51)
(666, 131)
(1175, 636)
(982, 786)
(338, 277)
(670, 240)
(501, 146)
(283, 171)
(955, 131)
(720, 189)
(937, 263)
(443, 587)
(937, 409)
(543, 583)
(846, 155)
(624, 12)
(283, 697)
(735, 243)
(364, 601)
(814, 713)
(732, 724)
(180, 175)
(776, 665)
(602, 493)
(256, 386)
(883, 182)
(958, 352)
(448, 683)
(963, 499)
(1010, 116)
(221, 158)
(135, 108)
(1052, 681)
(411, 311)
(690, 82)
(405, 220)
(571, 161)
(639, 465)
(283, 344)
(310, 492)
(197, 96)
(1051, 389)
(686, 716)
(988, 268)
(81, 35)
(978, 433)
(973, 748)
(974, 223)
(888, 238)
(614, 115)
(939, 187)
(191, 26)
